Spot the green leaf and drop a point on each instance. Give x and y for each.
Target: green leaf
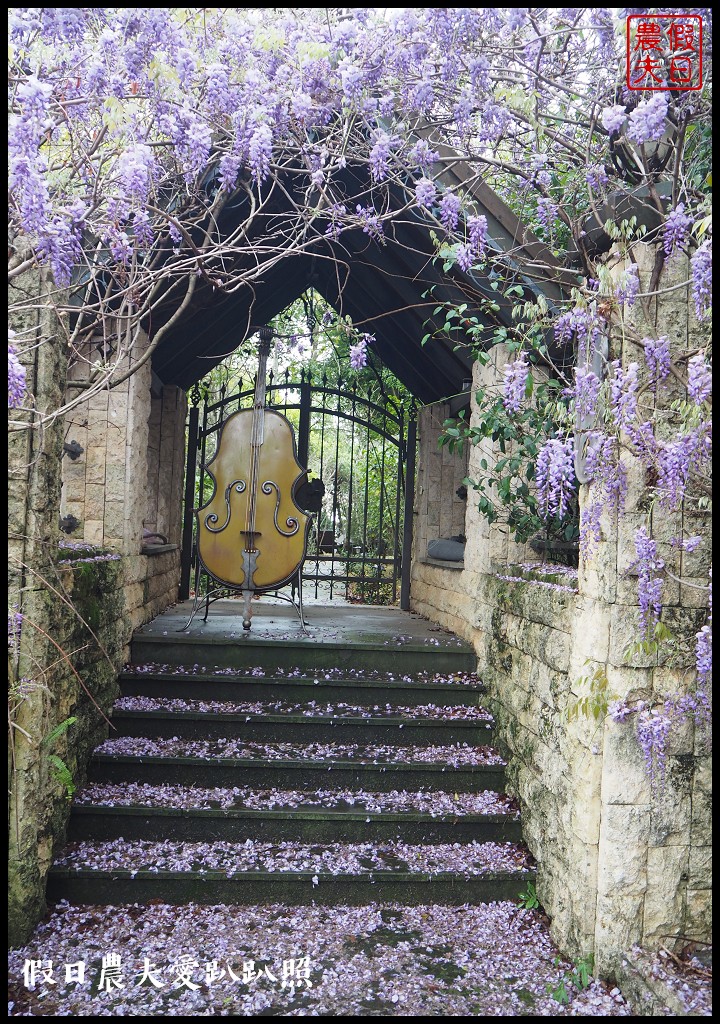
(60, 728)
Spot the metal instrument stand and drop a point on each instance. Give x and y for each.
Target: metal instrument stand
(220, 591)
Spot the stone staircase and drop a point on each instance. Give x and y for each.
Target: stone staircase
(294, 775)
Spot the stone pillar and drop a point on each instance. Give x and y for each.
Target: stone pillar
(33, 510)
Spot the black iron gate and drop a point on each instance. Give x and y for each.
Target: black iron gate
(362, 451)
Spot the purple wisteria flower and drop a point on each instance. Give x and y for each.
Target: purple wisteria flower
(676, 460)
(653, 726)
(646, 122)
(515, 382)
(15, 619)
(596, 177)
(260, 152)
(628, 286)
(555, 476)
(613, 118)
(17, 379)
(585, 393)
(648, 566)
(624, 386)
(699, 379)
(422, 155)
(450, 211)
(370, 221)
(380, 156)
(703, 654)
(581, 324)
(701, 269)
(358, 352)
(547, 212)
(675, 232)
(657, 357)
(425, 193)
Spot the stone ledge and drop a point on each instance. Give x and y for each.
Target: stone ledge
(157, 549)
(440, 564)
(650, 995)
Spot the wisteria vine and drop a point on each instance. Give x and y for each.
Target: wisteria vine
(131, 130)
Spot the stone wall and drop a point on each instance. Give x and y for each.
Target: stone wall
(439, 510)
(617, 863)
(78, 618)
(127, 482)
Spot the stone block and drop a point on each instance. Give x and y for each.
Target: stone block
(670, 817)
(624, 777)
(665, 899)
(591, 629)
(118, 403)
(74, 480)
(622, 866)
(93, 531)
(585, 812)
(94, 502)
(701, 822)
(95, 464)
(625, 632)
(115, 518)
(698, 915)
(700, 868)
(115, 481)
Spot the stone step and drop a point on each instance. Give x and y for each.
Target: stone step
(302, 774)
(236, 652)
(409, 889)
(300, 728)
(124, 871)
(99, 822)
(234, 685)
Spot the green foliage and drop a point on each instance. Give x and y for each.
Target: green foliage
(62, 774)
(595, 703)
(505, 492)
(60, 729)
(58, 769)
(650, 646)
(529, 899)
(579, 977)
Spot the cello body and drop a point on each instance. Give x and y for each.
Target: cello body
(251, 534)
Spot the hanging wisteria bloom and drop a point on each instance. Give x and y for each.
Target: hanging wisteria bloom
(515, 374)
(675, 232)
(547, 213)
(16, 376)
(624, 386)
(450, 211)
(701, 269)
(555, 476)
(585, 393)
(596, 176)
(699, 379)
(613, 118)
(358, 352)
(582, 325)
(380, 156)
(657, 357)
(628, 286)
(653, 727)
(646, 122)
(649, 567)
(425, 193)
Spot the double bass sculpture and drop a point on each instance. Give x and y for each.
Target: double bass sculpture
(251, 534)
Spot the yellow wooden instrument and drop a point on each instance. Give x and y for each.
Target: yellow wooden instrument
(251, 534)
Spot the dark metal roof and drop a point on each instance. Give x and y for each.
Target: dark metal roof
(389, 290)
